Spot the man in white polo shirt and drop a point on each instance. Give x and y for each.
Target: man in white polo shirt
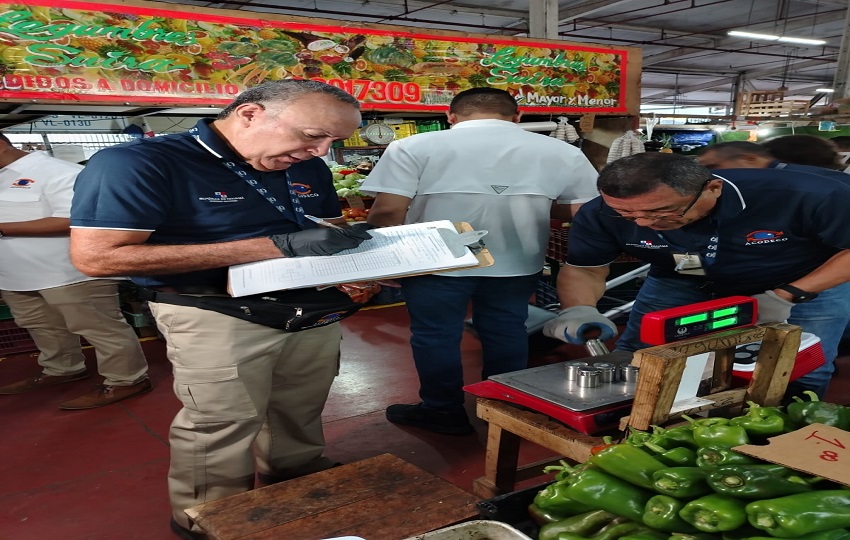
(48, 296)
(489, 172)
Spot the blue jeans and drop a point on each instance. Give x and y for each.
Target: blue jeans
(438, 306)
(826, 317)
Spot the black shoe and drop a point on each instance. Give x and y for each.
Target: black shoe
(445, 421)
(317, 465)
(184, 533)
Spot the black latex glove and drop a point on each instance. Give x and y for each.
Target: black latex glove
(321, 241)
(362, 226)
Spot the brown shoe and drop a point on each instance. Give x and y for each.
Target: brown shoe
(104, 395)
(41, 381)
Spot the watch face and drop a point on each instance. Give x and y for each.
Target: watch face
(378, 133)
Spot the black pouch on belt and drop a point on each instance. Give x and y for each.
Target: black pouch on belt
(290, 311)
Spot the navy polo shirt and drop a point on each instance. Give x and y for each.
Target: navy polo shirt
(182, 193)
(811, 169)
(772, 226)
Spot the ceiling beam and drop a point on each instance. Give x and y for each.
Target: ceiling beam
(729, 80)
(586, 8)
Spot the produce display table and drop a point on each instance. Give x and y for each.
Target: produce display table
(661, 370)
(380, 498)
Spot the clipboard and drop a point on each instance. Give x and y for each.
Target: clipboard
(401, 251)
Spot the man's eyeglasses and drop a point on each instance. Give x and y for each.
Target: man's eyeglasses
(657, 216)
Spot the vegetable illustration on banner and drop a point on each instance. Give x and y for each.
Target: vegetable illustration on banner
(112, 52)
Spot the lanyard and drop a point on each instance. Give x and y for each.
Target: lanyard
(710, 255)
(241, 172)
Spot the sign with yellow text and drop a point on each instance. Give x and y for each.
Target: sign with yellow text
(98, 52)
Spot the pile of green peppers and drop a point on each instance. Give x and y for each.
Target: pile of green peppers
(686, 483)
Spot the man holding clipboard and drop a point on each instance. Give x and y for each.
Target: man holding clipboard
(489, 172)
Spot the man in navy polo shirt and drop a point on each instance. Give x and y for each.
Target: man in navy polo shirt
(777, 235)
(175, 212)
(750, 155)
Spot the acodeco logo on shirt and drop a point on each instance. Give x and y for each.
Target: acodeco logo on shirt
(765, 237)
(24, 183)
(221, 197)
(303, 190)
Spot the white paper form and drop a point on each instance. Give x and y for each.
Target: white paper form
(392, 252)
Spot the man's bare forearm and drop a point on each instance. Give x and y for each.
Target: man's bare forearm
(581, 286)
(152, 259)
(49, 226)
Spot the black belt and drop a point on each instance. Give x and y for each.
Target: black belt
(177, 299)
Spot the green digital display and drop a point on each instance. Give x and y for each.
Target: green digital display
(690, 319)
(722, 323)
(720, 313)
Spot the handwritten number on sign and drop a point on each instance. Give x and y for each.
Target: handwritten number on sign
(827, 455)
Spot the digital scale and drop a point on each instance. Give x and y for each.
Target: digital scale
(547, 389)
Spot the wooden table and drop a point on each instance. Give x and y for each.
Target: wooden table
(661, 370)
(380, 498)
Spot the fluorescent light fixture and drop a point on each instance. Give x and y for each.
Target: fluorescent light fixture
(767, 37)
(803, 41)
(824, 90)
(774, 37)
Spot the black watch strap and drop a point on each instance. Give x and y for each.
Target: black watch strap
(798, 295)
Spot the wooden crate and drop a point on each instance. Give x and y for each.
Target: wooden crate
(380, 498)
(661, 370)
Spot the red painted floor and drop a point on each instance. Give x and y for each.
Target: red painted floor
(101, 474)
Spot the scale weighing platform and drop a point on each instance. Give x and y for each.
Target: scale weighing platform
(549, 390)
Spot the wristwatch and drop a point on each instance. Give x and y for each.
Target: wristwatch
(798, 296)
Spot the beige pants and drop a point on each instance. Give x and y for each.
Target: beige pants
(233, 376)
(56, 318)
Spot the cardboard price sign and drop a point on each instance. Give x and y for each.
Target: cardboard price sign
(817, 449)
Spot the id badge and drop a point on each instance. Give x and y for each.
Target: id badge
(688, 264)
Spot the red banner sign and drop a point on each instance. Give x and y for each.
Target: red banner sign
(66, 50)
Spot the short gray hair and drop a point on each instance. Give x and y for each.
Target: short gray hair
(641, 173)
(285, 91)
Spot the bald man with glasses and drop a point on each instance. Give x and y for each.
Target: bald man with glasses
(766, 233)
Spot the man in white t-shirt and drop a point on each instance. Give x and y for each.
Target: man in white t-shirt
(48, 296)
(496, 176)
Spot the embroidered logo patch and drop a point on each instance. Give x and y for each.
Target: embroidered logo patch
(499, 189)
(765, 237)
(23, 182)
(303, 190)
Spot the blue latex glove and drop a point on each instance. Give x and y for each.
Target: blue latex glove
(573, 323)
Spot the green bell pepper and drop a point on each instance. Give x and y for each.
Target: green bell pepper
(646, 535)
(755, 483)
(597, 488)
(542, 517)
(714, 513)
(662, 513)
(674, 436)
(581, 524)
(835, 534)
(628, 463)
(610, 530)
(637, 437)
(716, 456)
(553, 498)
(694, 536)
(802, 413)
(802, 513)
(681, 456)
(681, 482)
(762, 422)
(717, 431)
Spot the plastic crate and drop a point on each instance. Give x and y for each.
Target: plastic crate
(405, 129)
(512, 508)
(559, 233)
(14, 339)
(474, 530)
